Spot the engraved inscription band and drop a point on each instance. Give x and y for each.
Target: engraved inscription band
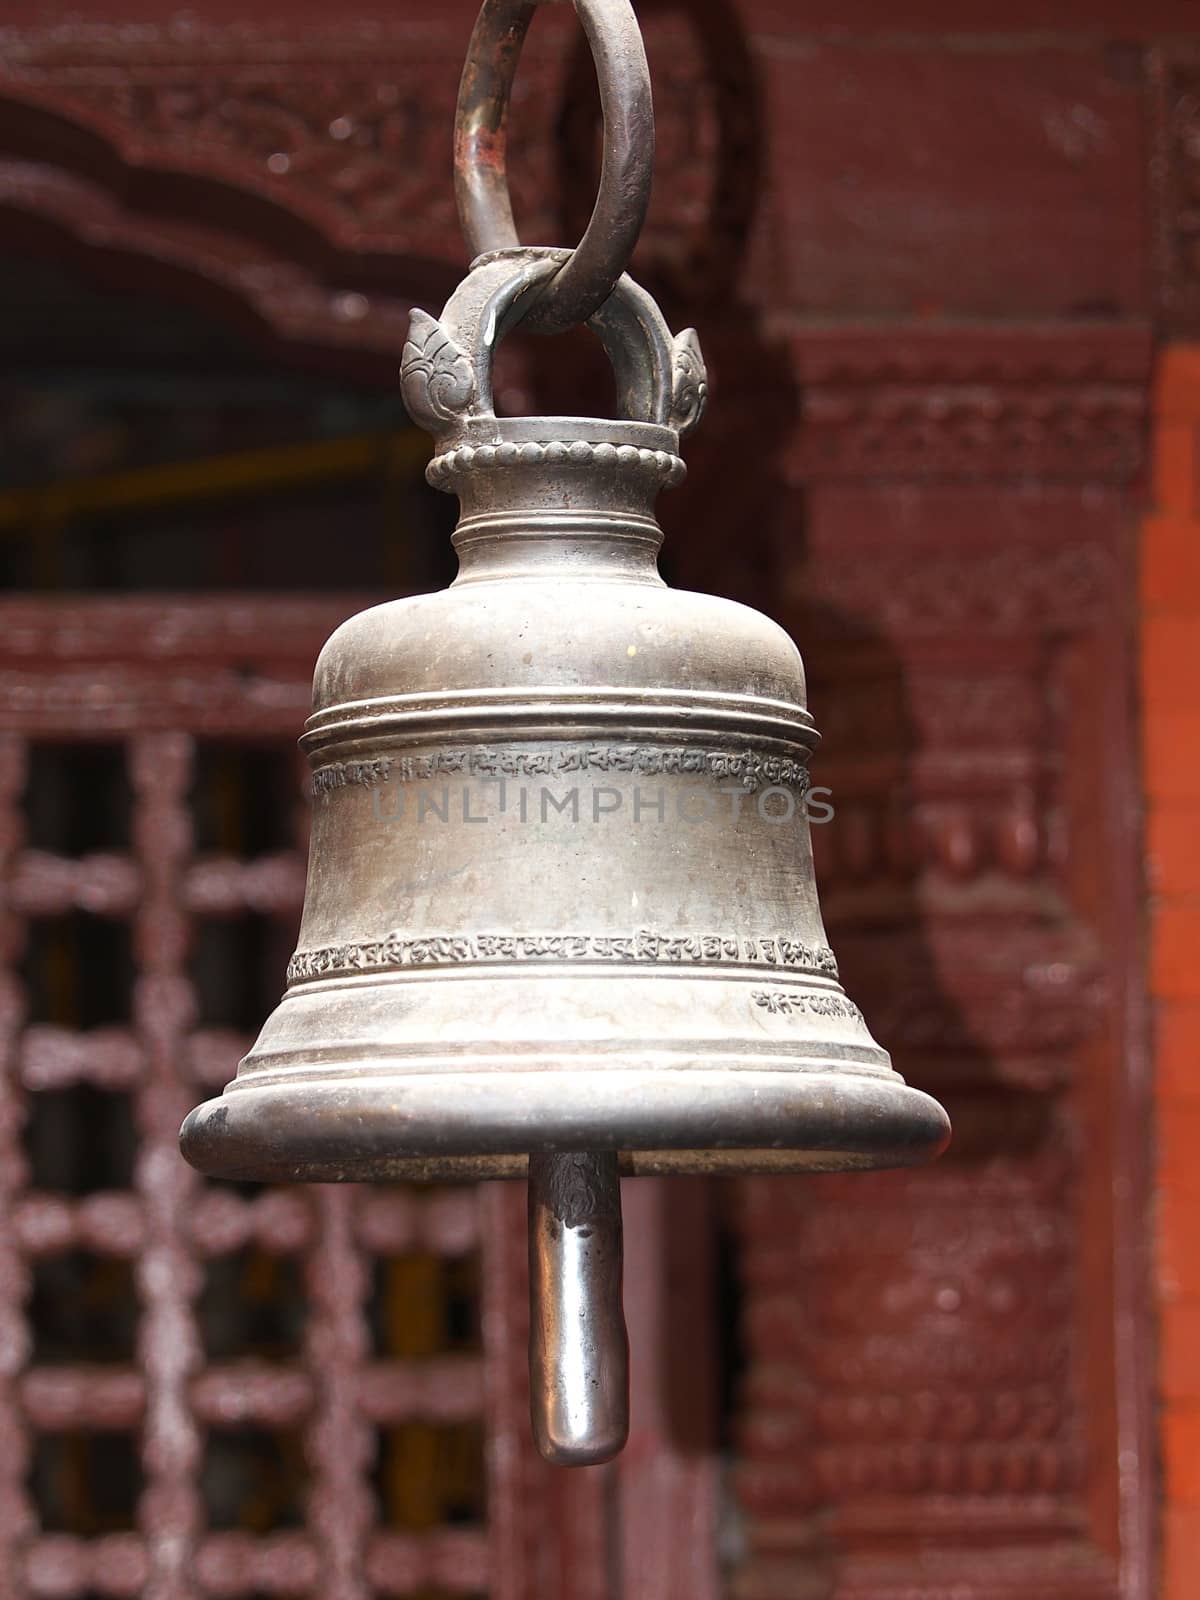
(699, 949)
(778, 1002)
(746, 767)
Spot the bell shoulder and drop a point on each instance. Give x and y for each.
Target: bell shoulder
(639, 637)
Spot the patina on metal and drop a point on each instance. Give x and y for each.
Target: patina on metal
(561, 916)
(588, 275)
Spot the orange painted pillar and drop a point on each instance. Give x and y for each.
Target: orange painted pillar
(1170, 603)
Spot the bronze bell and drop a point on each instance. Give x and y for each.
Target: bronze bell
(561, 915)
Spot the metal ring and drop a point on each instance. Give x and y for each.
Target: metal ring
(583, 284)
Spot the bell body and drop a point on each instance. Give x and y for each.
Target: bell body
(560, 890)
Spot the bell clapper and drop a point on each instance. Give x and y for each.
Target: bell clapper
(578, 1348)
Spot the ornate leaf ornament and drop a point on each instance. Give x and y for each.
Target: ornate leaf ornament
(437, 377)
(689, 388)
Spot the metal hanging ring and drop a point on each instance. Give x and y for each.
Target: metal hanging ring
(583, 284)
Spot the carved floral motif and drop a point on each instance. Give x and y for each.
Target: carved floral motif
(690, 382)
(437, 378)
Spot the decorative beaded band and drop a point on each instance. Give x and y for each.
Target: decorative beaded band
(556, 452)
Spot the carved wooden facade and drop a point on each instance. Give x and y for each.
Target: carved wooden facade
(943, 250)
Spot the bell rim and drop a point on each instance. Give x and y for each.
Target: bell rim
(417, 1124)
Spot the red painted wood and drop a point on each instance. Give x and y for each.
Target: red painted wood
(919, 182)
